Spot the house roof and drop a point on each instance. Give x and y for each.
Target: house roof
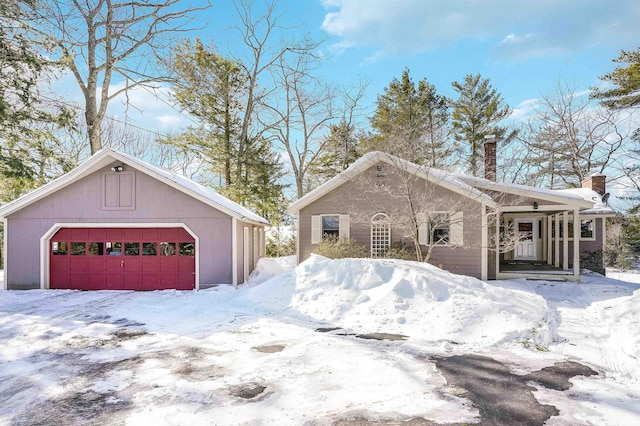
(469, 186)
(107, 156)
(599, 208)
(556, 196)
(440, 177)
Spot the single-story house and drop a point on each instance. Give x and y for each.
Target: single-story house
(117, 222)
(469, 225)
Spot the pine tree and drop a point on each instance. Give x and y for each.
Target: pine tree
(410, 122)
(339, 151)
(211, 88)
(627, 81)
(476, 114)
(29, 154)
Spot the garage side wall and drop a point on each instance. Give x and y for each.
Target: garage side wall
(249, 248)
(83, 202)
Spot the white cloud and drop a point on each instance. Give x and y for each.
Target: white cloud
(145, 108)
(526, 28)
(525, 109)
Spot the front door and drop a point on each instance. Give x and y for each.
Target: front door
(525, 245)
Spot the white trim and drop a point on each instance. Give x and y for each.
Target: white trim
(568, 276)
(541, 208)
(385, 223)
(556, 226)
(46, 237)
(498, 220)
(484, 254)
(427, 226)
(234, 251)
(246, 247)
(571, 221)
(604, 239)
(4, 252)
(565, 242)
(344, 226)
(576, 243)
(549, 240)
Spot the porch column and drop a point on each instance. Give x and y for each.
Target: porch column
(565, 240)
(556, 242)
(484, 256)
(498, 220)
(576, 243)
(549, 240)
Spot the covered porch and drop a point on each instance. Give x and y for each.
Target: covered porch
(533, 241)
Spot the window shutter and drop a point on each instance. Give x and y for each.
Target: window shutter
(316, 229)
(456, 229)
(344, 226)
(423, 229)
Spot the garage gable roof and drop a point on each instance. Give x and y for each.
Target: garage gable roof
(107, 156)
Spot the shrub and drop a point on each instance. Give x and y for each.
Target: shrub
(280, 244)
(339, 248)
(401, 250)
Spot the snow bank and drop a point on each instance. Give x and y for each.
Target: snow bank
(269, 267)
(414, 299)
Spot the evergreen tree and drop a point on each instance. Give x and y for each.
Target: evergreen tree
(339, 151)
(627, 81)
(410, 122)
(211, 88)
(476, 114)
(29, 154)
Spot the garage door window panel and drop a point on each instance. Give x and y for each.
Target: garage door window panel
(59, 248)
(167, 249)
(78, 248)
(96, 248)
(187, 249)
(149, 249)
(131, 249)
(113, 248)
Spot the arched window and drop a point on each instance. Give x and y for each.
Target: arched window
(380, 235)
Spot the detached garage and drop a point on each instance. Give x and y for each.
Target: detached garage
(119, 223)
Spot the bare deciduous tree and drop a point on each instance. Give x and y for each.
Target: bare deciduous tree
(109, 46)
(571, 137)
(301, 113)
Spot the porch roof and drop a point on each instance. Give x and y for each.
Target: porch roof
(543, 194)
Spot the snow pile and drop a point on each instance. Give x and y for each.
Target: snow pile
(414, 299)
(186, 357)
(269, 267)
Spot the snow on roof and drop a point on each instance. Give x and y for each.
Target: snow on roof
(106, 156)
(529, 191)
(207, 193)
(599, 207)
(444, 178)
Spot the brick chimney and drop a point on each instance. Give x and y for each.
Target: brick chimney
(596, 182)
(490, 158)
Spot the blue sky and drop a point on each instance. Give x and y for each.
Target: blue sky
(524, 47)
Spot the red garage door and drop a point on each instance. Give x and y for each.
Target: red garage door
(122, 259)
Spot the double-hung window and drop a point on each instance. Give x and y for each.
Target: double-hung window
(330, 226)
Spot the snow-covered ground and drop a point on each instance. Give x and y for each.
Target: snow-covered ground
(254, 355)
